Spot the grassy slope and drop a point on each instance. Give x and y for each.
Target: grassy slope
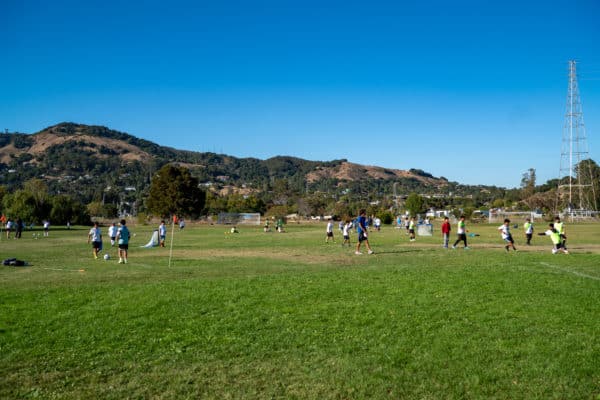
(257, 315)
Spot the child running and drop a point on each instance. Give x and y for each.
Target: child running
(556, 239)
(506, 236)
(461, 233)
(560, 227)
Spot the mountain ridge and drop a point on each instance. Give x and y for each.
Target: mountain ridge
(100, 159)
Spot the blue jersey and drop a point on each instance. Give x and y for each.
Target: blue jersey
(361, 222)
(123, 234)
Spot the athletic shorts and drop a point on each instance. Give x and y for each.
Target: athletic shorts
(329, 234)
(411, 231)
(346, 237)
(361, 237)
(124, 246)
(96, 245)
(509, 239)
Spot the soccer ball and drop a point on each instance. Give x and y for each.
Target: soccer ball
(107, 257)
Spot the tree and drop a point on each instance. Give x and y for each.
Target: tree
(174, 191)
(414, 204)
(528, 183)
(65, 209)
(20, 204)
(588, 173)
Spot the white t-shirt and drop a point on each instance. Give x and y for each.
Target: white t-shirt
(112, 231)
(95, 235)
(347, 227)
(505, 230)
(329, 227)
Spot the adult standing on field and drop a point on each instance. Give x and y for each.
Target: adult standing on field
(461, 231)
(361, 228)
(123, 241)
(95, 237)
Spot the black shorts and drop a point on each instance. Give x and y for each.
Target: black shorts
(124, 246)
(411, 231)
(329, 234)
(96, 245)
(362, 237)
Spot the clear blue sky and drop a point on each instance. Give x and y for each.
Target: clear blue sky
(473, 91)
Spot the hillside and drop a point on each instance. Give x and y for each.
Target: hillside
(91, 161)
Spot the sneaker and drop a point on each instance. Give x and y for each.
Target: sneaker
(467, 248)
(358, 253)
(453, 247)
(371, 252)
(120, 261)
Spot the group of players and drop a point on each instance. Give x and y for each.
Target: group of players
(556, 231)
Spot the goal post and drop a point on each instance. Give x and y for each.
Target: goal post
(239, 218)
(514, 216)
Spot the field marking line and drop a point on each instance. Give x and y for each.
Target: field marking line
(64, 269)
(580, 274)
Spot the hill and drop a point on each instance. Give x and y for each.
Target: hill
(94, 162)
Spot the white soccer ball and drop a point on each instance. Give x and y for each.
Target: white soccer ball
(107, 256)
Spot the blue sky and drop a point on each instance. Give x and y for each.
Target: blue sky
(474, 91)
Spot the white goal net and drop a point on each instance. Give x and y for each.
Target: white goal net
(239, 218)
(514, 216)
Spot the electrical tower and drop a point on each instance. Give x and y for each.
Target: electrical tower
(576, 194)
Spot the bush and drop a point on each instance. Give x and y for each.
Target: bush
(387, 218)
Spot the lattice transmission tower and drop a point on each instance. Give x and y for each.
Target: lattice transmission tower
(576, 194)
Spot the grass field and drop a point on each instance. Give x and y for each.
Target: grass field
(255, 316)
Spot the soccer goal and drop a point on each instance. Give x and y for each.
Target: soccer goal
(514, 216)
(425, 230)
(239, 218)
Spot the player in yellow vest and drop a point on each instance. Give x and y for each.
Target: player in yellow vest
(556, 239)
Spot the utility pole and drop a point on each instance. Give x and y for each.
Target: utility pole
(576, 193)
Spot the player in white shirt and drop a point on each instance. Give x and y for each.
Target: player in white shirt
(506, 236)
(329, 232)
(346, 232)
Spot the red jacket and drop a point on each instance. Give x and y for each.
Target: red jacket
(446, 227)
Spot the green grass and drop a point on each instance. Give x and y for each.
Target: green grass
(257, 315)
